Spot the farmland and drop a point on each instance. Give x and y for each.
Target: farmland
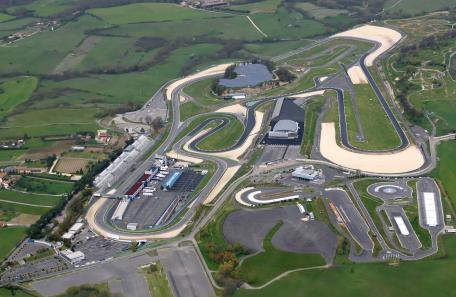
(71, 165)
(14, 92)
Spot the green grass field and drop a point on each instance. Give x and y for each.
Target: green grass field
(265, 6)
(415, 278)
(149, 12)
(14, 196)
(319, 12)
(10, 236)
(17, 293)
(378, 130)
(43, 186)
(158, 281)
(284, 24)
(202, 93)
(189, 109)
(445, 170)
(45, 8)
(5, 17)
(224, 138)
(416, 7)
(313, 109)
(14, 92)
(261, 268)
(58, 121)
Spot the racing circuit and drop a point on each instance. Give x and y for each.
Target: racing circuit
(406, 159)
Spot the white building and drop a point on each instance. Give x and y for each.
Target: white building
(305, 173)
(284, 129)
(73, 257)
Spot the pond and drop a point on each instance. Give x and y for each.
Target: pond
(248, 75)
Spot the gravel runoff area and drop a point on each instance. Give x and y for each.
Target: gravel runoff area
(385, 37)
(249, 227)
(406, 160)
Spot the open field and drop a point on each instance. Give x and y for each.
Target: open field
(445, 171)
(149, 12)
(425, 73)
(45, 8)
(14, 92)
(224, 138)
(41, 123)
(373, 280)
(27, 198)
(261, 268)
(17, 293)
(416, 7)
(10, 236)
(265, 6)
(189, 109)
(201, 91)
(313, 109)
(43, 186)
(5, 17)
(271, 49)
(319, 12)
(378, 130)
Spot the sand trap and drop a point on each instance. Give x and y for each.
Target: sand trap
(308, 94)
(385, 36)
(238, 152)
(174, 155)
(403, 161)
(236, 109)
(323, 78)
(100, 230)
(357, 75)
(226, 177)
(182, 99)
(219, 69)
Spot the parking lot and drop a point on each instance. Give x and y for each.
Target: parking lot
(148, 211)
(96, 248)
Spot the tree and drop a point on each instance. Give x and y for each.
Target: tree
(134, 246)
(157, 124)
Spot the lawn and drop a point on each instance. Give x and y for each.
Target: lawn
(98, 290)
(263, 267)
(17, 293)
(445, 171)
(319, 12)
(378, 130)
(45, 8)
(5, 17)
(14, 92)
(10, 238)
(149, 12)
(264, 6)
(189, 109)
(157, 281)
(224, 138)
(313, 109)
(271, 49)
(14, 196)
(201, 91)
(228, 27)
(43, 186)
(44, 122)
(292, 25)
(416, 278)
